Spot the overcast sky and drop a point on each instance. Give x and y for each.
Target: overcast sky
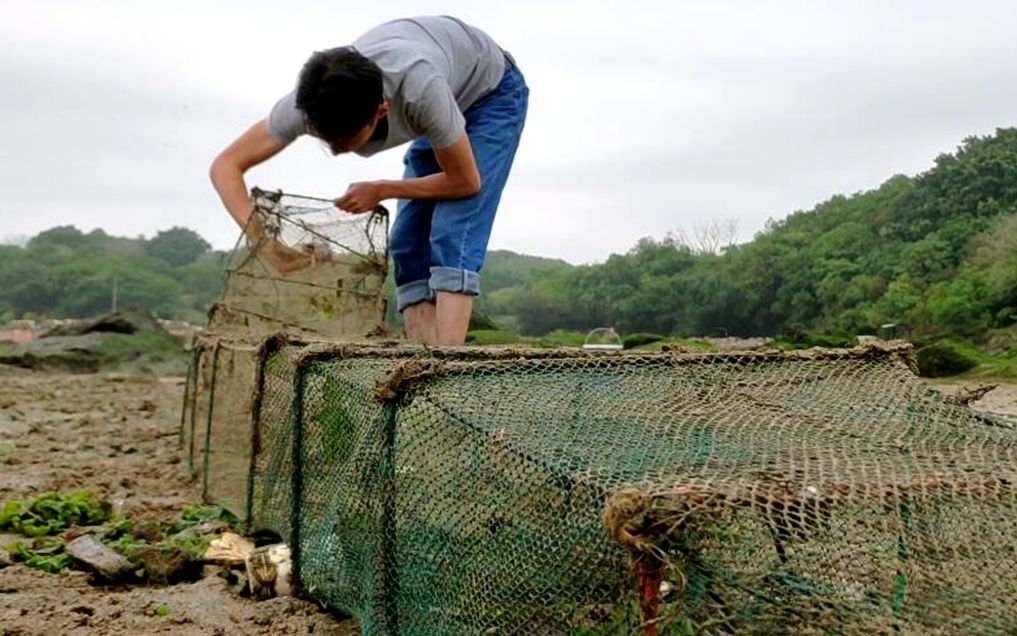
(645, 117)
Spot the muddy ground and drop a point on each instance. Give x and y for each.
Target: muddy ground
(116, 436)
(1002, 400)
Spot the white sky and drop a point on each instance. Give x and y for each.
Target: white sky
(644, 117)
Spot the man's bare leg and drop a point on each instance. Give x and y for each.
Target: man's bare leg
(418, 321)
(452, 319)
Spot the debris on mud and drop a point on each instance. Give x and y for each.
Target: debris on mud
(111, 342)
(113, 548)
(67, 433)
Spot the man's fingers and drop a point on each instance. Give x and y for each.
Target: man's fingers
(352, 207)
(346, 204)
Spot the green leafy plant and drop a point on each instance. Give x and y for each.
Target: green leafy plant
(162, 552)
(52, 513)
(46, 554)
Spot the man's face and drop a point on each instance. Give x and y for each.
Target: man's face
(361, 137)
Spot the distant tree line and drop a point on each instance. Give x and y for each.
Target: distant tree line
(934, 254)
(63, 272)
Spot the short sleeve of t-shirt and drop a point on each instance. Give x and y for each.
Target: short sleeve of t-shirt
(286, 122)
(435, 114)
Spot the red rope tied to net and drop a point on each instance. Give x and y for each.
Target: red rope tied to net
(649, 602)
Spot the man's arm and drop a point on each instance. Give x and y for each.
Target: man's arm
(459, 178)
(227, 172)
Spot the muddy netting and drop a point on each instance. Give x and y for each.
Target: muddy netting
(485, 491)
(303, 266)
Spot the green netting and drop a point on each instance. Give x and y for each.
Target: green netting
(485, 491)
(269, 506)
(531, 492)
(275, 445)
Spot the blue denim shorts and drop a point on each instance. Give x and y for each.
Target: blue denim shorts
(441, 245)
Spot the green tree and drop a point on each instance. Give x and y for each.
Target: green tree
(25, 284)
(177, 246)
(961, 306)
(66, 236)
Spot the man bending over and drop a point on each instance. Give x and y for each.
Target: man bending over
(459, 99)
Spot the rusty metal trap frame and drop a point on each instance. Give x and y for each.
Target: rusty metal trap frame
(487, 491)
(301, 265)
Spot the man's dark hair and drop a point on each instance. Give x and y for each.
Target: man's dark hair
(339, 91)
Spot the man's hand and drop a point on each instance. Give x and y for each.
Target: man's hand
(360, 197)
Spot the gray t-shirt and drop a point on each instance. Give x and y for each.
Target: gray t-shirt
(434, 69)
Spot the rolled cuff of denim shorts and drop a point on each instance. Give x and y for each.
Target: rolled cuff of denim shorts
(450, 279)
(413, 292)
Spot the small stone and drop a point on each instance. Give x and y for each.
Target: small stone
(74, 532)
(201, 530)
(264, 615)
(92, 553)
(241, 587)
(210, 570)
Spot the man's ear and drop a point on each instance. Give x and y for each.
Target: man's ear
(382, 109)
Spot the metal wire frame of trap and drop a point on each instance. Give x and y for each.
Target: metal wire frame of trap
(304, 266)
(473, 491)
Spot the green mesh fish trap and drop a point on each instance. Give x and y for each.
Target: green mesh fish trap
(484, 491)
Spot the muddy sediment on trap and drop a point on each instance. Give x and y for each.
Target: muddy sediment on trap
(338, 296)
(306, 268)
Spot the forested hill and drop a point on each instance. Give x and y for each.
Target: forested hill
(936, 253)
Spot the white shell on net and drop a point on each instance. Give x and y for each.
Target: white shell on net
(229, 549)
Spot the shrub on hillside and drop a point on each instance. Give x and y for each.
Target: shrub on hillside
(801, 339)
(479, 321)
(491, 337)
(945, 357)
(634, 340)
